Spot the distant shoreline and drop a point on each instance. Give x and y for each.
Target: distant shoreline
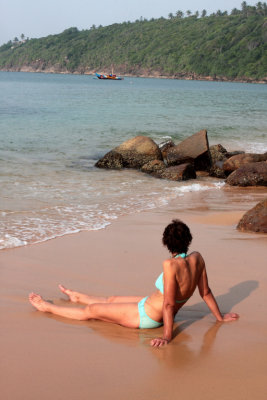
(141, 74)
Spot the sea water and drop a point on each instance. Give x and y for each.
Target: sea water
(53, 128)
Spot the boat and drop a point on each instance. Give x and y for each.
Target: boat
(109, 76)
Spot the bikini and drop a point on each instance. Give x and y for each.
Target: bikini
(145, 321)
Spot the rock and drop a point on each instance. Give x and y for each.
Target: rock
(218, 157)
(180, 172)
(255, 220)
(135, 152)
(217, 170)
(253, 174)
(217, 152)
(111, 160)
(233, 153)
(238, 160)
(164, 146)
(138, 151)
(153, 166)
(194, 150)
(202, 174)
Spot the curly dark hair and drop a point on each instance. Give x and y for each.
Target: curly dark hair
(177, 237)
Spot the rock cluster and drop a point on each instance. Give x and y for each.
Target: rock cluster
(166, 161)
(190, 158)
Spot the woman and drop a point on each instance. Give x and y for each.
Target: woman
(182, 273)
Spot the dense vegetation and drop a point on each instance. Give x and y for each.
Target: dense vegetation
(232, 46)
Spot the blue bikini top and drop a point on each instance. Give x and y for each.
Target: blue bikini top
(159, 282)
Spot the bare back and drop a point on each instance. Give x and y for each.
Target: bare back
(181, 277)
(188, 273)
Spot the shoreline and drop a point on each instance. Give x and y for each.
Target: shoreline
(82, 358)
(189, 202)
(155, 74)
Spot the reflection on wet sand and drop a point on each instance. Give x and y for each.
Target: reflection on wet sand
(226, 302)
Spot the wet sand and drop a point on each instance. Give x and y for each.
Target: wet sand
(49, 357)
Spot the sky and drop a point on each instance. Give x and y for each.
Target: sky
(35, 18)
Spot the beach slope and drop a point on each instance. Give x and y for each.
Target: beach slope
(48, 357)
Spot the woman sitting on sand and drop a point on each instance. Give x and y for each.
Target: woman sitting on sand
(182, 273)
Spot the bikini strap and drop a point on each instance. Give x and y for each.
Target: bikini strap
(182, 255)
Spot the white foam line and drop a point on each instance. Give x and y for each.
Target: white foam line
(133, 204)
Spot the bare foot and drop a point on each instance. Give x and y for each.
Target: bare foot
(37, 301)
(73, 296)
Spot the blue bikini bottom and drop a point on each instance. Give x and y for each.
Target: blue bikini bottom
(145, 321)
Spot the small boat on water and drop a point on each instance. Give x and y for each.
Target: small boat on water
(109, 76)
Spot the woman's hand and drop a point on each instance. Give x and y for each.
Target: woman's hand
(230, 317)
(159, 342)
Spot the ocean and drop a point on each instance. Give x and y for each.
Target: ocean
(53, 128)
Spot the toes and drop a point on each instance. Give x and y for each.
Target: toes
(63, 289)
(33, 297)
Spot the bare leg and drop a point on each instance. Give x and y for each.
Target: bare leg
(125, 314)
(77, 297)
(69, 312)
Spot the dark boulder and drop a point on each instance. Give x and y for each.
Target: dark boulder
(164, 146)
(193, 150)
(153, 166)
(253, 174)
(217, 152)
(239, 160)
(218, 155)
(255, 220)
(111, 160)
(234, 153)
(134, 153)
(180, 172)
(217, 171)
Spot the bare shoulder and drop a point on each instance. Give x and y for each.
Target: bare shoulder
(198, 259)
(196, 255)
(169, 265)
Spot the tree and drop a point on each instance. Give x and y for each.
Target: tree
(179, 14)
(244, 7)
(235, 11)
(16, 40)
(204, 13)
(188, 13)
(22, 36)
(197, 14)
(259, 7)
(170, 16)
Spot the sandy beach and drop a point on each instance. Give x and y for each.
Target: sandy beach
(48, 357)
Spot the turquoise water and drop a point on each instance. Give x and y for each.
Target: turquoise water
(53, 128)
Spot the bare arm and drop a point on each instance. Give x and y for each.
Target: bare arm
(207, 295)
(170, 288)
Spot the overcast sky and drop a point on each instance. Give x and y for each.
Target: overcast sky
(35, 18)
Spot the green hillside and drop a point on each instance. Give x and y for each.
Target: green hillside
(220, 45)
